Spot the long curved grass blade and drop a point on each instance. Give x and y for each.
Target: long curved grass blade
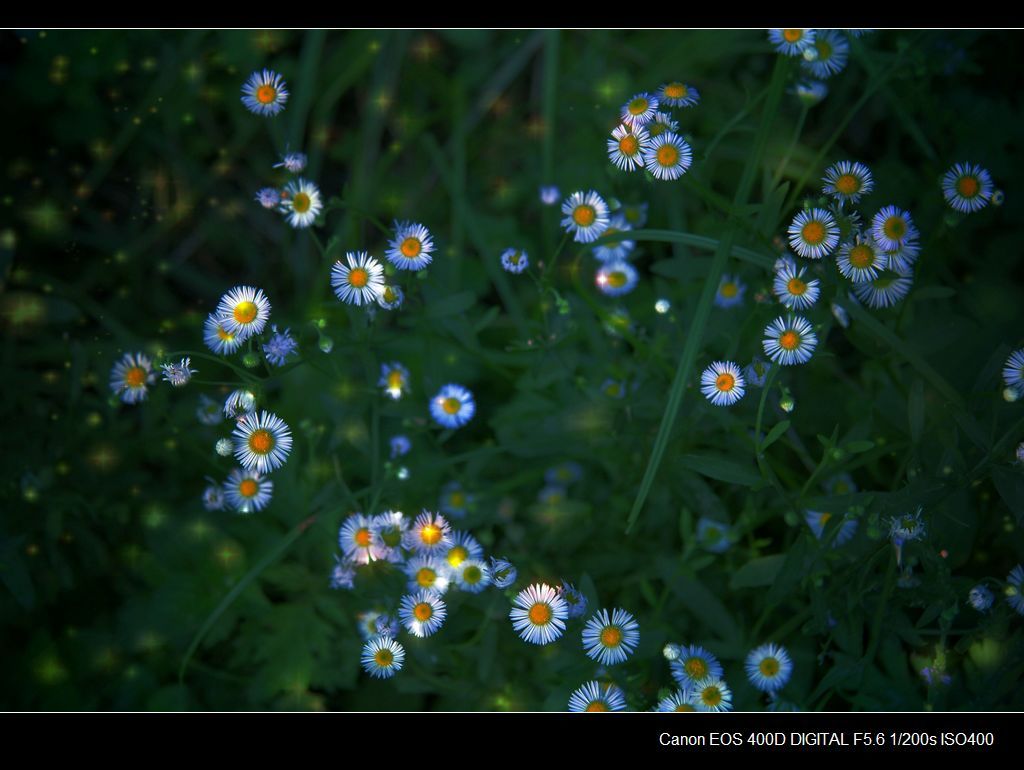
(236, 591)
(688, 239)
(696, 333)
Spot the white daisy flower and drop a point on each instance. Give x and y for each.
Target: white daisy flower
(302, 203)
(794, 291)
(361, 281)
(243, 311)
(586, 216)
(722, 383)
(668, 156)
(411, 247)
(626, 147)
(131, 376)
(790, 341)
(247, 491)
(539, 614)
(262, 441)
(814, 234)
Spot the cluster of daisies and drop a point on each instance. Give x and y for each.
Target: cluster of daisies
(299, 200)
(698, 676)
(647, 137)
(981, 598)
(824, 53)
(587, 217)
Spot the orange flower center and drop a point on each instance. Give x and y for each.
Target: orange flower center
(248, 488)
(628, 145)
(245, 312)
(223, 335)
(789, 340)
(261, 441)
(584, 215)
(540, 614)
(769, 667)
(668, 155)
(363, 537)
(861, 256)
(135, 377)
(411, 247)
(823, 518)
(847, 184)
(813, 232)
(451, 405)
(729, 289)
(675, 90)
(792, 35)
(426, 577)
(423, 611)
(266, 94)
(796, 286)
(611, 636)
(395, 380)
(597, 706)
(384, 657)
(358, 277)
(967, 186)
(725, 382)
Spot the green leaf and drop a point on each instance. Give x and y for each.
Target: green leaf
(774, 434)
(696, 597)
(1010, 485)
(450, 305)
(915, 410)
(856, 447)
(758, 572)
(722, 468)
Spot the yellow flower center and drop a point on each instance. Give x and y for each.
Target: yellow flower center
(861, 256)
(824, 49)
(597, 706)
(792, 35)
(638, 106)
(540, 614)
(457, 499)
(684, 707)
(711, 696)
(769, 667)
(668, 155)
(823, 518)
(224, 336)
(411, 247)
(245, 312)
(451, 405)
(675, 90)
(611, 636)
(430, 535)
(696, 668)
(729, 289)
(395, 380)
(261, 441)
(616, 279)
(967, 186)
(628, 145)
(426, 577)
(358, 277)
(266, 94)
(135, 377)
(472, 574)
(725, 382)
(301, 202)
(584, 215)
(894, 228)
(813, 232)
(457, 555)
(796, 286)
(789, 340)
(248, 488)
(390, 295)
(423, 612)
(384, 658)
